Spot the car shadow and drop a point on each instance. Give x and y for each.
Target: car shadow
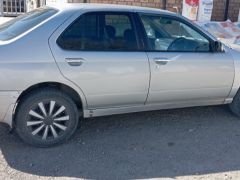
(167, 143)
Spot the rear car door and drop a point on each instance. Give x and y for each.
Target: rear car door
(183, 66)
(101, 53)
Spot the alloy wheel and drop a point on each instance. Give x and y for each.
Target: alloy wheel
(47, 120)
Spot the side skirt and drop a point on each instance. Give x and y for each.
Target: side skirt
(149, 107)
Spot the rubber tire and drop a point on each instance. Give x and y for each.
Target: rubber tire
(36, 96)
(235, 105)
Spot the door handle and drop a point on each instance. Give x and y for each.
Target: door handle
(161, 60)
(75, 61)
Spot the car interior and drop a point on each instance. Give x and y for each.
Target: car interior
(166, 34)
(97, 32)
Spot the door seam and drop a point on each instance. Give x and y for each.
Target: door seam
(150, 78)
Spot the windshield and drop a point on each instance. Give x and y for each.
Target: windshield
(22, 23)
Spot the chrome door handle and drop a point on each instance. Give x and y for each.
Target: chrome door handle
(161, 60)
(75, 61)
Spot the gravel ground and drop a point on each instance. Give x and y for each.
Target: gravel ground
(192, 144)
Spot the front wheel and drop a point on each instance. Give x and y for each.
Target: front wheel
(46, 117)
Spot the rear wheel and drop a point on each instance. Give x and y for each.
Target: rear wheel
(45, 118)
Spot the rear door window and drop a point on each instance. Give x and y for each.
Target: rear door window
(100, 31)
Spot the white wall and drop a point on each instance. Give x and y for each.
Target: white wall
(52, 2)
(1, 7)
(32, 4)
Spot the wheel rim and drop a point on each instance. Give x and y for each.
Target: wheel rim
(48, 120)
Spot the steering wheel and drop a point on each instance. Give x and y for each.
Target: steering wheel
(183, 44)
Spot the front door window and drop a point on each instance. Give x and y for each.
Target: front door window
(171, 35)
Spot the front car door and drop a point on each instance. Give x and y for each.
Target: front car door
(184, 70)
(100, 52)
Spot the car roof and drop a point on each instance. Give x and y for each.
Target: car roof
(108, 7)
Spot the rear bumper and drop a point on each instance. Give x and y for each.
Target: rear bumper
(7, 103)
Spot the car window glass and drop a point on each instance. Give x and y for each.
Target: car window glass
(166, 34)
(100, 32)
(83, 33)
(21, 24)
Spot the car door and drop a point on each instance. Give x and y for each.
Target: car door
(100, 52)
(183, 67)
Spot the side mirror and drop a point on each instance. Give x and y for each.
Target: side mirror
(217, 46)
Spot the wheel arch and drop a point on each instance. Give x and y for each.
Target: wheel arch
(73, 93)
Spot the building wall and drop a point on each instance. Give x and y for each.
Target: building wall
(218, 10)
(1, 9)
(176, 6)
(234, 9)
(172, 5)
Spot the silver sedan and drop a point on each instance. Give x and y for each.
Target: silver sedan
(61, 64)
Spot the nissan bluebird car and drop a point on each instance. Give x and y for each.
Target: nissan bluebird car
(61, 64)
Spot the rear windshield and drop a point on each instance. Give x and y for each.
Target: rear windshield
(22, 23)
